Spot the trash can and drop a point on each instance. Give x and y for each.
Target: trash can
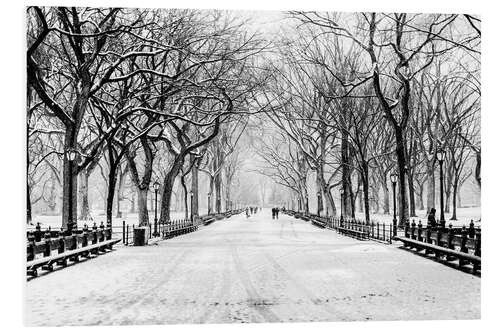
(141, 236)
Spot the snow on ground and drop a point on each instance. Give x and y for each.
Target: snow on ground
(253, 270)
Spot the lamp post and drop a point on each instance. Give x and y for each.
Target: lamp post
(191, 194)
(440, 157)
(208, 202)
(341, 205)
(71, 155)
(319, 202)
(156, 187)
(394, 179)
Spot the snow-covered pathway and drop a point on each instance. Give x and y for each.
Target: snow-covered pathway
(253, 270)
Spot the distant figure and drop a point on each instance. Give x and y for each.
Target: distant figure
(431, 219)
(247, 212)
(273, 210)
(277, 212)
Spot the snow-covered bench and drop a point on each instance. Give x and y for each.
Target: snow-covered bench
(57, 248)
(463, 243)
(177, 227)
(464, 258)
(359, 234)
(318, 222)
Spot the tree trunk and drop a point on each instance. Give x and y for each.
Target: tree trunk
(118, 200)
(168, 185)
(84, 195)
(477, 173)
(366, 191)
(119, 190)
(111, 194)
(142, 206)
(448, 189)
(459, 197)
(52, 196)
(347, 197)
(218, 194)
(385, 190)
(210, 197)
(421, 198)
(132, 204)
(401, 158)
(185, 197)
(70, 185)
(454, 205)
(28, 205)
(319, 194)
(411, 190)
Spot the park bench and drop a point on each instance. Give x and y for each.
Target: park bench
(462, 244)
(207, 219)
(319, 222)
(358, 234)
(57, 248)
(356, 228)
(177, 227)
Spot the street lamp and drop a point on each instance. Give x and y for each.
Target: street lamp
(71, 155)
(191, 194)
(394, 179)
(440, 157)
(156, 187)
(341, 205)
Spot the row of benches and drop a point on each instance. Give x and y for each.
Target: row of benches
(462, 244)
(60, 248)
(209, 218)
(350, 228)
(454, 244)
(176, 228)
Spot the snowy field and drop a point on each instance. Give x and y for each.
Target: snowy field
(253, 270)
(464, 216)
(54, 221)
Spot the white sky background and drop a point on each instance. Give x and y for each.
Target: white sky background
(14, 158)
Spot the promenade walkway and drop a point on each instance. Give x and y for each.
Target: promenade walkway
(253, 270)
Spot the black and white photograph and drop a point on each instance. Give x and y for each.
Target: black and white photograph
(221, 165)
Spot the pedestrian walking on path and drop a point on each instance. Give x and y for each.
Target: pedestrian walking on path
(431, 219)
